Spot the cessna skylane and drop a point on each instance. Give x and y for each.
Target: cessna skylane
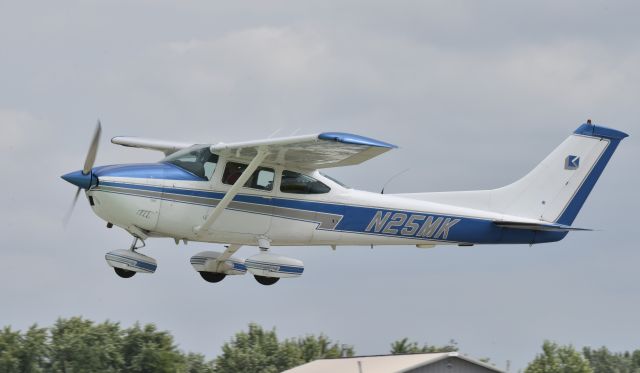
(271, 192)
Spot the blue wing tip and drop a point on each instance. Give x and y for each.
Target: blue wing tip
(349, 138)
(589, 129)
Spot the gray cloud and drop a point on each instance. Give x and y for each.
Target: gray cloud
(474, 93)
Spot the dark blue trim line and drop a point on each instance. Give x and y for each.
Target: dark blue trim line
(600, 131)
(201, 260)
(357, 218)
(348, 138)
(281, 268)
(239, 266)
(137, 263)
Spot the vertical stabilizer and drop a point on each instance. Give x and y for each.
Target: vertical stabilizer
(555, 190)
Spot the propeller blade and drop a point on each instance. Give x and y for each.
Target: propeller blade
(93, 150)
(67, 216)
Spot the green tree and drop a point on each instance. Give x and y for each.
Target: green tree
(558, 359)
(252, 351)
(321, 347)
(604, 361)
(9, 350)
(196, 363)
(79, 346)
(34, 350)
(404, 346)
(635, 361)
(260, 351)
(145, 349)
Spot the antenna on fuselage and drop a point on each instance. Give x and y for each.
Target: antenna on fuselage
(393, 177)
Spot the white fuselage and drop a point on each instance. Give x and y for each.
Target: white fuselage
(173, 208)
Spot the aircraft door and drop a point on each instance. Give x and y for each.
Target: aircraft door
(250, 212)
(188, 193)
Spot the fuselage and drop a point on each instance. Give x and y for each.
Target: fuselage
(165, 200)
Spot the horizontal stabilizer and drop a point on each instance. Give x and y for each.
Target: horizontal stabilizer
(549, 227)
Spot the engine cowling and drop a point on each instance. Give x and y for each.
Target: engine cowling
(131, 261)
(271, 265)
(206, 261)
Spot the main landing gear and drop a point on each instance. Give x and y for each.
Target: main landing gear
(212, 276)
(266, 268)
(126, 263)
(264, 280)
(212, 266)
(124, 273)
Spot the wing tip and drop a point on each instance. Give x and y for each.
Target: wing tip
(349, 138)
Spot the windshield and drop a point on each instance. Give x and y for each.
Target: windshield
(295, 182)
(334, 180)
(197, 159)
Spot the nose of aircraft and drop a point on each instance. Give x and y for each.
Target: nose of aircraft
(77, 178)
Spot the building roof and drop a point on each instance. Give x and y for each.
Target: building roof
(381, 363)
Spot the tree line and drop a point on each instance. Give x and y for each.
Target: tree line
(555, 358)
(77, 345)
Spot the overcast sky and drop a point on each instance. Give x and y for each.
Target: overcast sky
(474, 93)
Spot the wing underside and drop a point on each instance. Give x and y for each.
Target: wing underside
(167, 147)
(324, 150)
(330, 149)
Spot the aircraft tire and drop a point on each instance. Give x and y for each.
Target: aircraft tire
(212, 277)
(124, 273)
(264, 280)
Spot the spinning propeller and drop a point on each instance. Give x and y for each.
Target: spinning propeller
(84, 178)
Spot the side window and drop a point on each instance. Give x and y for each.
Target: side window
(262, 178)
(294, 182)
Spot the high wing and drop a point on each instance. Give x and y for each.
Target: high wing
(167, 147)
(324, 150)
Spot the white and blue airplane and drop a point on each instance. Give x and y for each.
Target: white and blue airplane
(270, 192)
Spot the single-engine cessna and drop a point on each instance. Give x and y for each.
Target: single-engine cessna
(268, 193)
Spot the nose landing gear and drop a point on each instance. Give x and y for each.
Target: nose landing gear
(126, 263)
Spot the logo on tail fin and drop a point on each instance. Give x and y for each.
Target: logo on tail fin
(572, 162)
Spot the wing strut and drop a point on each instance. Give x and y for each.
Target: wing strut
(231, 249)
(233, 191)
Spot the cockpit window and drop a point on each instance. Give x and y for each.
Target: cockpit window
(294, 182)
(197, 159)
(262, 178)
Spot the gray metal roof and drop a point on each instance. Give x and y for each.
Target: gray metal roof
(381, 363)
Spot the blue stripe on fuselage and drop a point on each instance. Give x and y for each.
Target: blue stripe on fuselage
(356, 219)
